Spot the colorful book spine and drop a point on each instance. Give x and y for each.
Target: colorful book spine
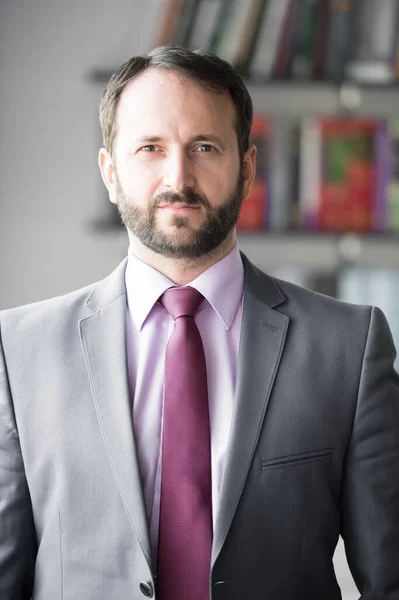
(254, 208)
(322, 23)
(339, 38)
(168, 23)
(304, 43)
(247, 33)
(285, 41)
(223, 45)
(222, 24)
(382, 158)
(393, 184)
(266, 47)
(205, 23)
(348, 174)
(310, 151)
(185, 22)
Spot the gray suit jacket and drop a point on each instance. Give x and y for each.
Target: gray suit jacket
(313, 451)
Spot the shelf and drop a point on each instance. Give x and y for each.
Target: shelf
(323, 252)
(320, 252)
(296, 99)
(302, 98)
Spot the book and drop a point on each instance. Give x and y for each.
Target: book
(392, 222)
(386, 198)
(266, 46)
(238, 36)
(224, 45)
(254, 208)
(375, 42)
(310, 168)
(186, 22)
(247, 33)
(339, 38)
(347, 180)
(167, 25)
(322, 22)
(206, 18)
(304, 42)
(222, 24)
(283, 159)
(337, 174)
(382, 159)
(286, 34)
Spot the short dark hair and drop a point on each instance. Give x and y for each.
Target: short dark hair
(204, 68)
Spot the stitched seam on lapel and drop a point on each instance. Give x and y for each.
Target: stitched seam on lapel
(100, 309)
(61, 557)
(107, 448)
(271, 327)
(284, 334)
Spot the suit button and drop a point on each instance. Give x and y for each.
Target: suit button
(146, 589)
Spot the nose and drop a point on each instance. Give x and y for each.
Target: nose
(178, 173)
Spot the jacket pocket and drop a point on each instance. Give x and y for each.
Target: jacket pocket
(295, 460)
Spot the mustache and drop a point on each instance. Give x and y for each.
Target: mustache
(189, 197)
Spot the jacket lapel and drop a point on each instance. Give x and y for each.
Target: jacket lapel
(262, 338)
(103, 337)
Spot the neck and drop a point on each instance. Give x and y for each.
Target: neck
(181, 270)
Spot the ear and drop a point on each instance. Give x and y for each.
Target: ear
(108, 173)
(249, 164)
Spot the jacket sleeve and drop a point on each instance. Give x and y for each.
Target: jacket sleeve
(370, 493)
(17, 533)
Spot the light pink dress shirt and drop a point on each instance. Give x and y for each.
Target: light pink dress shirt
(148, 329)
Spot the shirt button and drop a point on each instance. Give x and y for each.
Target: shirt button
(146, 589)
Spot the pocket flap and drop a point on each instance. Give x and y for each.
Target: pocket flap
(297, 459)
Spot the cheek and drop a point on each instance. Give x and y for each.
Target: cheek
(139, 182)
(221, 186)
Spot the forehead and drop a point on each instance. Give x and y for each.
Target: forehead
(162, 99)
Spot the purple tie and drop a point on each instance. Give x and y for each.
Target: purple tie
(185, 521)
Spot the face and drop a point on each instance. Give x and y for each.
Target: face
(176, 175)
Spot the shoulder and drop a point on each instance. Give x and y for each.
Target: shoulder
(46, 314)
(312, 310)
(74, 305)
(316, 304)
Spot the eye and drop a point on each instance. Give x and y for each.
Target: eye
(204, 148)
(149, 148)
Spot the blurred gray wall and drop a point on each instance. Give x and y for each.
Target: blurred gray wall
(50, 186)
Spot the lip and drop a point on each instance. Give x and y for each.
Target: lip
(179, 207)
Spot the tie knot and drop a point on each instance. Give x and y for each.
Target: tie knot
(181, 301)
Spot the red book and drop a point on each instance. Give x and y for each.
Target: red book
(254, 208)
(348, 174)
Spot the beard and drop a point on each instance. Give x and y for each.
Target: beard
(192, 243)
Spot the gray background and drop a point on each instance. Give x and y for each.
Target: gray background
(50, 187)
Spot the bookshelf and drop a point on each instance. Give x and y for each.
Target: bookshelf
(323, 252)
(307, 86)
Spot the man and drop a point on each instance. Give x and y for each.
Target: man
(215, 450)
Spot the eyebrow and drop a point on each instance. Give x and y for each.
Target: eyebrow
(202, 137)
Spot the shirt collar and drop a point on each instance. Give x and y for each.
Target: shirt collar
(221, 284)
